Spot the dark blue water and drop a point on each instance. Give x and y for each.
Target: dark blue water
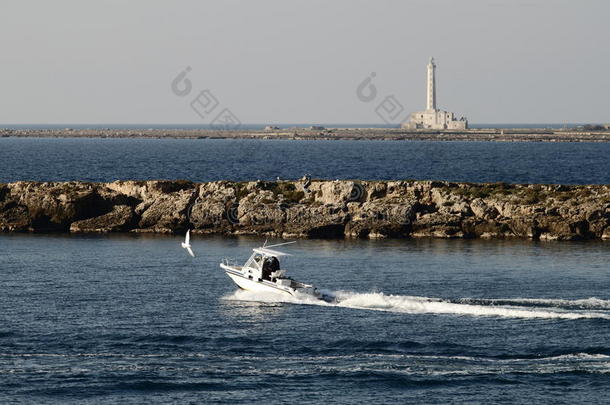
(131, 319)
(209, 160)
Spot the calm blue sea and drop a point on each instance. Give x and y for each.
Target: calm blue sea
(93, 159)
(124, 319)
(133, 319)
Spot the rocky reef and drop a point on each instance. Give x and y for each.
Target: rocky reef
(313, 209)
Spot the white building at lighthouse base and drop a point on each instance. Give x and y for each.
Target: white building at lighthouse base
(435, 119)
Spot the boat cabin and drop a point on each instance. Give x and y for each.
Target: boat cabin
(264, 265)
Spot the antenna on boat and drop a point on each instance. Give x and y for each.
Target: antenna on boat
(265, 244)
(280, 244)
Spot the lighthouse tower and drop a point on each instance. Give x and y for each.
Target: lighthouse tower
(432, 117)
(431, 96)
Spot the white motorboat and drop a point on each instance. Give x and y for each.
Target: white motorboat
(262, 273)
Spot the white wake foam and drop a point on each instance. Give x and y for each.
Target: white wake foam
(425, 305)
(418, 305)
(586, 303)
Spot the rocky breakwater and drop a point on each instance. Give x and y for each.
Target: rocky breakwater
(315, 209)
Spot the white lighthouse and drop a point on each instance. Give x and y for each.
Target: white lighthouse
(433, 118)
(431, 96)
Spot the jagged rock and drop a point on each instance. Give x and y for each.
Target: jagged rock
(261, 211)
(313, 220)
(523, 227)
(54, 206)
(492, 230)
(215, 209)
(167, 212)
(338, 192)
(380, 219)
(14, 217)
(373, 209)
(482, 210)
(121, 218)
(438, 225)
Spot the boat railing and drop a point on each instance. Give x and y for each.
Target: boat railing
(228, 261)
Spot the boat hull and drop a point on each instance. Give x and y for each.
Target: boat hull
(256, 286)
(247, 283)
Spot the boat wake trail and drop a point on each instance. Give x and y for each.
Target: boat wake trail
(581, 304)
(591, 308)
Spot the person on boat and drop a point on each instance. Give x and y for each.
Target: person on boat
(270, 265)
(266, 273)
(275, 263)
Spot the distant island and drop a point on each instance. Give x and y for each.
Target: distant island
(586, 133)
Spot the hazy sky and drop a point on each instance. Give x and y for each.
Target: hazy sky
(286, 61)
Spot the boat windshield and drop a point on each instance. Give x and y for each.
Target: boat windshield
(256, 261)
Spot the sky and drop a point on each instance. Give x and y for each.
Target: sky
(302, 61)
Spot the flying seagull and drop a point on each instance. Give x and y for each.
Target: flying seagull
(187, 243)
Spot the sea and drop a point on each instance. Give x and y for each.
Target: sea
(133, 319)
(104, 159)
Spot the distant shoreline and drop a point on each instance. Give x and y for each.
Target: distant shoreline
(321, 133)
